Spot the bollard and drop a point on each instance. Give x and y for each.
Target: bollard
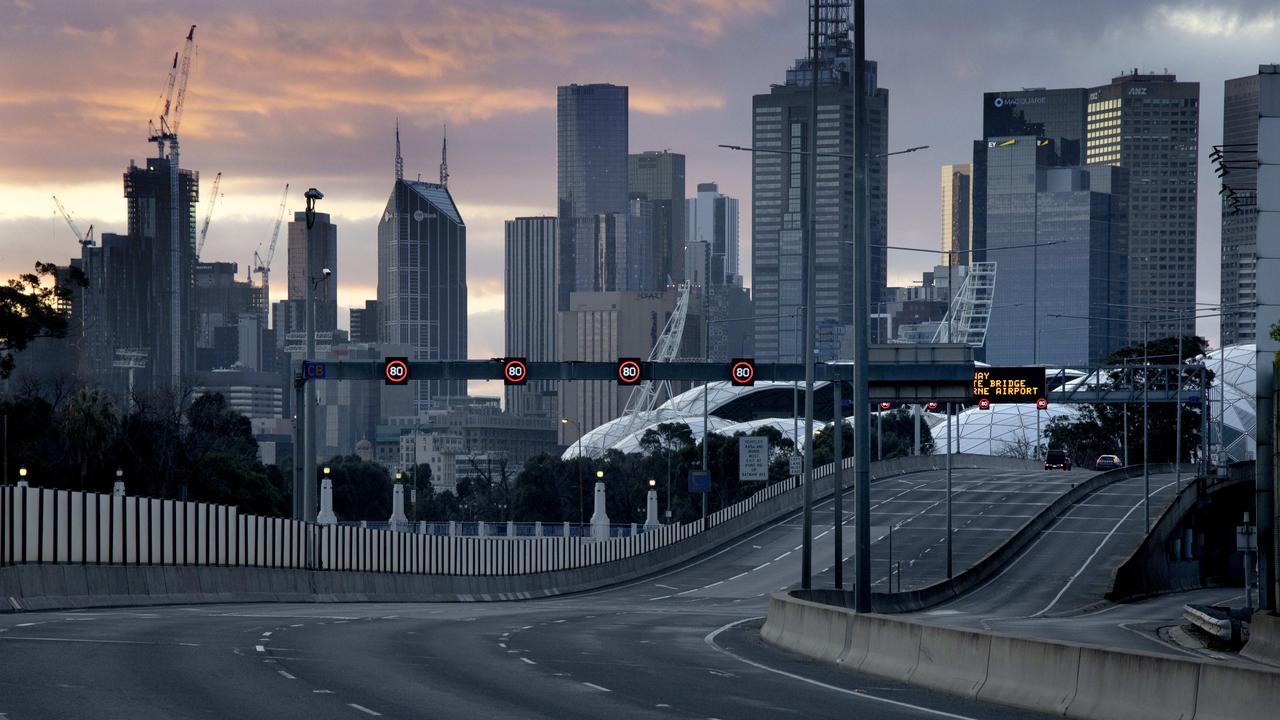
(537, 529)
(117, 489)
(326, 516)
(397, 506)
(453, 528)
(480, 529)
(633, 530)
(651, 511)
(511, 529)
(566, 529)
(600, 517)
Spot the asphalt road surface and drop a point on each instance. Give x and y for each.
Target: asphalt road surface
(682, 644)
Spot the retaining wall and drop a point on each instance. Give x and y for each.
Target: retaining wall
(1067, 679)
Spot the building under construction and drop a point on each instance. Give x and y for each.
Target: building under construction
(147, 190)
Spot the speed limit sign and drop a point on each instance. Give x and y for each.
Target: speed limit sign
(1042, 403)
(742, 371)
(629, 371)
(395, 370)
(514, 371)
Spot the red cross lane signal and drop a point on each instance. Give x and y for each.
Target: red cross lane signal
(629, 371)
(395, 370)
(742, 372)
(514, 371)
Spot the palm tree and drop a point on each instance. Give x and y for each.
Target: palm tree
(89, 425)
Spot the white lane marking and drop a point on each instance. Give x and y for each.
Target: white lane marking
(1094, 554)
(664, 587)
(502, 645)
(660, 597)
(601, 688)
(322, 692)
(527, 627)
(708, 587)
(528, 661)
(782, 556)
(286, 675)
(365, 710)
(298, 625)
(505, 634)
(741, 574)
(266, 634)
(710, 639)
(686, 592)
(18, 638)
(760, 567)
(662, 705)
(557, 622)
(259, 648)
(26, 624)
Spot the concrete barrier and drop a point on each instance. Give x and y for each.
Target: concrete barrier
(1031, 674)
(1065, 679)
(951, 661)
(1264, 639)
(1114, 685)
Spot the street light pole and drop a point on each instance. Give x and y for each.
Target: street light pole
(309, 478)
(806, 555)
(861, 394)
(1146, 430)
(578, 462)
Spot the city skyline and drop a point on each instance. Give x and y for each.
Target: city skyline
(256, 124)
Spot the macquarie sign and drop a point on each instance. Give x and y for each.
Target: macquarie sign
(1008, 384)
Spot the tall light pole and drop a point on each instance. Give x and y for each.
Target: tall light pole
(806, 555)
(309, 478)
(578, 442)
(861, 353)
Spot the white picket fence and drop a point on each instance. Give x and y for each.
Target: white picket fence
(39, 525)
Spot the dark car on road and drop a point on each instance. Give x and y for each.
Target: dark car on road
(1107, 462)
(1057, 460)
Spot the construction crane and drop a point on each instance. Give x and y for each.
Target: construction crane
(85, 239)
(164, 129)
(204, 228)
(263, 267)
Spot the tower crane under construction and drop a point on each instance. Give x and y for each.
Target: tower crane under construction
(262, 266)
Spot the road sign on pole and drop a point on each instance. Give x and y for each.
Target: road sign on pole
(514, 371)
(797, 464)
(395, 370)
(629, 371)
(699, 481)
(753, 458)
(313, 370)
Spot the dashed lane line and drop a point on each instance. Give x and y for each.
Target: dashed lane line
(528, 661)
(601, 688)
(286, 675)
(365, 710)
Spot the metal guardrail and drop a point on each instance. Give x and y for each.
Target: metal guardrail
(1216, 624)
(485, 529)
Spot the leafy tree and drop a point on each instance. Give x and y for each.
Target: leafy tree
(361, 489)
(1100, 429)
(30, 309)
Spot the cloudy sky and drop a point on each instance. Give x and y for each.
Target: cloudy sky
(308, 92)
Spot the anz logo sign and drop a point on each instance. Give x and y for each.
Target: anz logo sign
(1138, 91)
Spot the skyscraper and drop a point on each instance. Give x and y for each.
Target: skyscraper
(1149, 123)
(591, 154)
(658, 177)
(118, 312)
(1060, 233)
(711, 238)
(422, 281)
(622, 253)
(308, 267)
(170, 305)
(1240, 225)
(956, 212)
(530, 303)
(364, 323)
(781, 121)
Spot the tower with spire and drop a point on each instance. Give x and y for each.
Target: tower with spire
(444, 157)
(399, 158)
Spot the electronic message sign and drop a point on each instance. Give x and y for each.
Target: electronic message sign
(1008, 384)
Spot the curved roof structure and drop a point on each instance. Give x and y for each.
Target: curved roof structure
(1009, 429)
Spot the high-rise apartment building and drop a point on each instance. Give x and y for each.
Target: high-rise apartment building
(530, 303)
(1149, 124)
(1240, 223)
(711, 232)
(307, 263)
(1058, 234)
(364, 323)
(422, 281)
(591, 171)
(658, 177)
(956, 212)
(780, 208)
(118, 314)
(171, 340)
(622, 253)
